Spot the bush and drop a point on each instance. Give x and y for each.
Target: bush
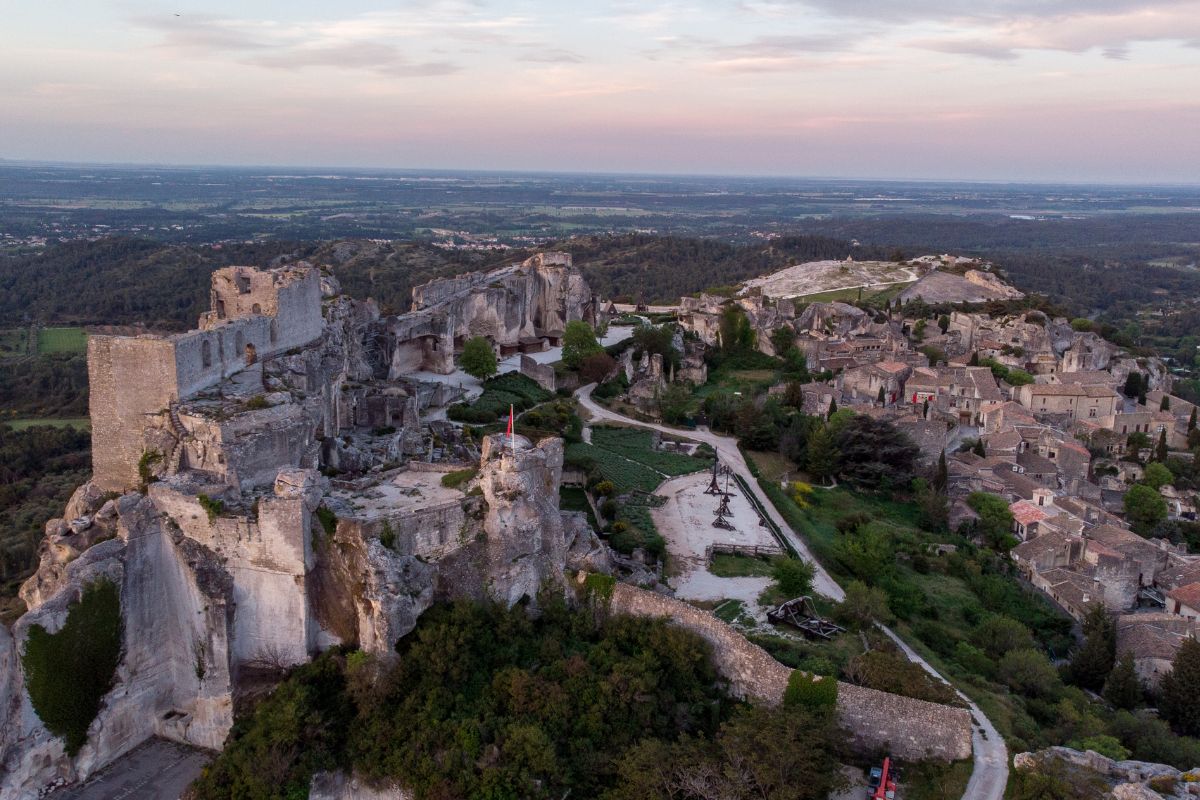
(794, 576)
(68, 673)
(328, 519)
(455, 479)
(213, 508)
(812, 692)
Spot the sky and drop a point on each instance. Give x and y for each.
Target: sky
(1050, 90)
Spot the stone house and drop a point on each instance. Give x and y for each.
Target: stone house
(1069, 400)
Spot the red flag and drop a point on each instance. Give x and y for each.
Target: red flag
(510, 422)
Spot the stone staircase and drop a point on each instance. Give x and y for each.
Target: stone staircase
(175, 457)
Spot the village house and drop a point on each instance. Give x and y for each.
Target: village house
(1071, 401)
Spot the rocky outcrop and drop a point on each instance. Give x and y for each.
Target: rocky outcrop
(340, 786)
(1127, 780)
(524, 541)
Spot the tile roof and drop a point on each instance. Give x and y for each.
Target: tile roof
(1188, 594)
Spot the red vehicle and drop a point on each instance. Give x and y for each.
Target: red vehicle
(882, 783)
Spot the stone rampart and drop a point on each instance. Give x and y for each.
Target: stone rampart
(907, 728)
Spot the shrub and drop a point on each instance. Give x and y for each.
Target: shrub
(257, 403)
(793, 575)
(810, 691)
(455, 479)
(328, 519)
(213, 508)
(67, 673)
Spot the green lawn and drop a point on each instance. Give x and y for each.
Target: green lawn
(62, 340)
(58, 422)
(725, 565)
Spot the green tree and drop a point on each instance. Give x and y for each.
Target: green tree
(794, 576)
(737, 334)
(1165, 403)
(1161, 453)
(783, 340)
(995, 519)
(674, 403)
(881, 398)
(1123, 689)
(1157, 475)
(1144, 508)
(942, 475)
(579, 342)
(1179, 692)
(822, 455)
(1133, 385)
(864, 605)
(944, 322)
(1092, 662)
(833, 408)
(874, 454)
(998, 635)
(1136, 442)
(596, 367)
(1030, 672)
(478, 359)
(1192, 420)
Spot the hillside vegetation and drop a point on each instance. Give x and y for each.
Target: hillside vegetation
(486, 702)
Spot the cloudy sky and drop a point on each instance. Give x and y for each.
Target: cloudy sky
(1083, 90)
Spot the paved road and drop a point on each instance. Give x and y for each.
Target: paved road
(989, 777)
(156, 770)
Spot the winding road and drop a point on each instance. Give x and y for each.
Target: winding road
(989, 775)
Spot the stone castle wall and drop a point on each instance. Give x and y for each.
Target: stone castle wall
(132, 377)
(907, 728)
(129, 378)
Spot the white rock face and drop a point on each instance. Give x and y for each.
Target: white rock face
(525, 543)
(173, 679)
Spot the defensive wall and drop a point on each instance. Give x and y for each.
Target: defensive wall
(877, 721)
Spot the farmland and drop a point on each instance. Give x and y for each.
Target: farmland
(61, 340)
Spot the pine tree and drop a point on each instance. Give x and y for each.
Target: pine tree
(822, 454)
(1179, 693)
(1160, 452)
(1123, 689)
(1133, 385)
(942, 476)
(1093, 661)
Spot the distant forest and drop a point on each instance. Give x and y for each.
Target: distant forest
(1097, 267)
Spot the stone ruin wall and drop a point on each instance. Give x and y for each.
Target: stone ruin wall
(907, 728)
(430, 533)
(128, 380)
(132, 378)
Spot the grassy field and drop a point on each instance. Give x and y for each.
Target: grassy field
(62, 340)
(772, 466)
(58, 422)
(874, 296)
(725, 565)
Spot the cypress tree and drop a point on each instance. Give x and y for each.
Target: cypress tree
(1093, 661)
(1123, 690)
(942, 476)
(1165, 404)
(1192, 420)
(882, 397)
(832, 407)
(1160, 452)
(980, 450)
(1179, 694)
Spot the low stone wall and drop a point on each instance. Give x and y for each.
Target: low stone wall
(907, 728)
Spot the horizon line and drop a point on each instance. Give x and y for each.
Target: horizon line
(36, 162)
